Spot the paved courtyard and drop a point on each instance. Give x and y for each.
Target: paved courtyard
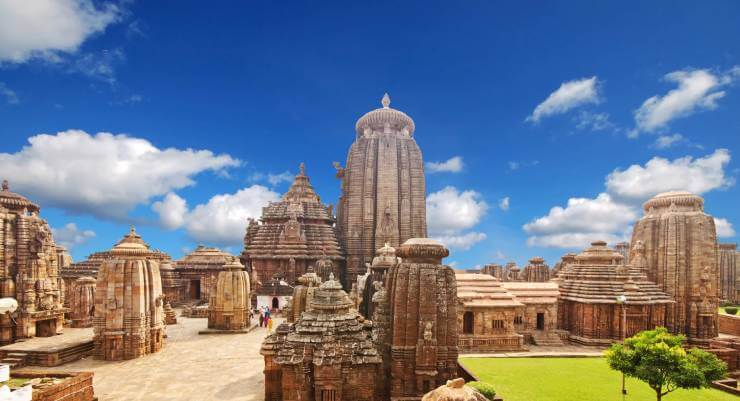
(190, 367)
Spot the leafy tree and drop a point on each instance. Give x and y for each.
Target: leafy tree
(657, 358)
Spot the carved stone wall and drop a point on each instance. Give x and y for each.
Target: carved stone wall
(729, 273)
(198, 272)
(82, 302)
(536, 271)
(229, 305)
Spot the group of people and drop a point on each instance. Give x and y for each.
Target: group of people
(265, 318)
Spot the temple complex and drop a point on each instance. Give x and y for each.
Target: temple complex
(422, 295)
(729, 273)
(326, 355)
(591, 306)
(293, 234)
(383, 197)
(198, 272)
(680, 247)
(128, 320)
(486, 315)
(385, 259)
(275, 294)
(536, 271)
(29, 271)
(82, 302)
(229, 305)
(538, 320)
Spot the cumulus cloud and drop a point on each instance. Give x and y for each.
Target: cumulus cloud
(70, 236)
(570, 95)
(503, 204)
(171, 210)
(273, 179)
(104, 174)
(47, 28)
(666, 141)
(10, 96)
(638, 183)
(453, 165)
(724, 228)
(450, 212)
(697, 90)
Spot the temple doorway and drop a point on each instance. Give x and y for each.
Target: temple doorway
(540, 321)
(194, 289)
(46, 328)
(468, 322)
(275, 303)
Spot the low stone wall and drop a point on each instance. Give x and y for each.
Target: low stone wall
(472, 344)
(729, 324)
(77, 386)
(727, 385)
(727, 349)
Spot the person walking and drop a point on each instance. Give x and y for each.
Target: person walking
(269, 324)
(262, 318)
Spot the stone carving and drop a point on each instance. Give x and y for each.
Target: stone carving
(229, 304)
(82, 302)
(536, 271)
(729, 273)
(29, 271)
(129, 319)
(383, 181)
(680, 242)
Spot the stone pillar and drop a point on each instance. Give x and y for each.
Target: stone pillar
(82, 302)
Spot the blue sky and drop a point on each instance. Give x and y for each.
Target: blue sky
(590, 107)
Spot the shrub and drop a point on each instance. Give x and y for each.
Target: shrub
(484, 388)
(731, 310)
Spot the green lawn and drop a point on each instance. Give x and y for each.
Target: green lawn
(570, 379)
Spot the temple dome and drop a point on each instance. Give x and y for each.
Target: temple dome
(683, 199)
(12, 200)
(378, 118)
(599, 253)
(131, 245)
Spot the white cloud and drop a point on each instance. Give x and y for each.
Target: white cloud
(697, 90)
(223, 219)
(451, 212)
(724, 228)
(452, 165)
(276, 179)
(172, 210)
(514, 165)
(593, 121)
(70, 236)
(570, 95)
(638, 183)
(503, 204)
(574, 240)
(463, 241)
(10, 96)
(104, 174)
(666, 141)
(48, 28)
(100, 66)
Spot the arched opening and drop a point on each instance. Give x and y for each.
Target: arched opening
(275, 303)
(468, 322)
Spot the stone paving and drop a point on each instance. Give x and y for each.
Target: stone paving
(190, 367)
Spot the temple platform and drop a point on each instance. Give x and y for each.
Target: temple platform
(51, 351)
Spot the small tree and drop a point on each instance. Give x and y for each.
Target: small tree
(657, 358)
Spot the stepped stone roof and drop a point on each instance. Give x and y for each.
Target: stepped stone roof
(598, 276)
(527, 292)
(13, 201)
(483, 291)
(204, 258)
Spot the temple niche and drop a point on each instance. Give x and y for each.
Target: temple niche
(680, 248)
(590, 308)
(29, 271)
(293, 234)
(422, 295)
(383, 197)
(128, 320)
(536, 271)
(198, 272)
(729, 273)
(82, 302)
(229, 305)
(326, 355)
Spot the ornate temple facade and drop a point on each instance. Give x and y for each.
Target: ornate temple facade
(198, 272)
(590, 308)
(293, 234)
(536, 271)
(129, 317)
(29, 271)
(383, 196)
(680, 247)
(538, 320)
(729, 273)
(229, 305)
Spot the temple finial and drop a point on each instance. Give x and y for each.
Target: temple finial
(386, 102)
(6, 187)
(132, 231)
(302, 168)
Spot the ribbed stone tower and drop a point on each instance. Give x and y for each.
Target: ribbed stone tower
(383, 188)
(680, 248)
(422, 294)
(129, 315)
(536, 271)
(729, 272)
(229, 304)
(82, 302)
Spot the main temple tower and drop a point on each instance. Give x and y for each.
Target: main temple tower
(383, 188)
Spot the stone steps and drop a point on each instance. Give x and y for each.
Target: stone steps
(547, 339)
(15, 360)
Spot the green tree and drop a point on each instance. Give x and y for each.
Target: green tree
(657, 358)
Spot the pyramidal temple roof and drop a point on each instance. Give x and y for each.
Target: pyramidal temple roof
(301, 190)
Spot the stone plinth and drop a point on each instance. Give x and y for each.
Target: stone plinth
(82, 302)
(129, 318)
(229, 306)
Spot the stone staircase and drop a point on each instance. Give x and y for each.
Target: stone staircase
(15, 359)
(547, 338)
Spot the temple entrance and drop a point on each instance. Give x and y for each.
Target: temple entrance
(540, 321)
(468, 321)
(194, 289)
(275, 303)
(46, 328)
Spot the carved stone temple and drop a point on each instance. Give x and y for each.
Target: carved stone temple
(129, 317)
(729, 273)
(680, 247)
(82, 302)
(383, 188)
(198, 272)
(28, 271)
(293, 234)
(229, 304)
(536, 271)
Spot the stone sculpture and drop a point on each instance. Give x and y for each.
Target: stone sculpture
(82, 302)
(229, 305)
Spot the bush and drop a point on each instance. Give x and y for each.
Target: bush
(484, 388)
(731, 310)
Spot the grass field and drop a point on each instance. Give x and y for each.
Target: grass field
(570, 379)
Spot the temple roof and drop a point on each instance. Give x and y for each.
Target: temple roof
(680, 200)
(301, 190)
(131, 245)
(14, 201)
(204, 258)
(483, 290)
(530, 293)
(378, 118)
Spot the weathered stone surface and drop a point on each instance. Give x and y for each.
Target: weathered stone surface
(454, 390)
(383, 188)
(129, 318)
(82, 302)
(198, 272)
(293, 234)
(680, 247)
(537, 322)
(589, 307)
(29, 271)
(303, 294)
(172, 285)
(229, 304)
(729, 273)
(536, 271)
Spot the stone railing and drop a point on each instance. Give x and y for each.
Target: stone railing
(483, 344)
